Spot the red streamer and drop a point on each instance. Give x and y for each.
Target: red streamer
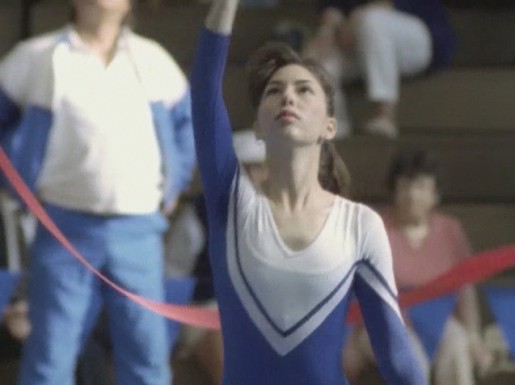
(192, 315)
(473, 270)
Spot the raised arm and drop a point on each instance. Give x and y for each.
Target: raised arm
(213, 133)
(376, 291)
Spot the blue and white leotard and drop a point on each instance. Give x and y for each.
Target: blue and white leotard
(283, 311)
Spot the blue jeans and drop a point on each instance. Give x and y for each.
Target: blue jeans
(64, 298)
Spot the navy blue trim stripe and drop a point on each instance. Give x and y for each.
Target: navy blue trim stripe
(381, 279)
(260, 306)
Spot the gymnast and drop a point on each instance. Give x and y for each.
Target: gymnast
(289, 253)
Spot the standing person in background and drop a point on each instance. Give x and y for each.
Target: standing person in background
(287, 254)
(381, 41)
(425, 244)
(98, 122)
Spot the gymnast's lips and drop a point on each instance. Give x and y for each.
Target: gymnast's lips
(287, 115)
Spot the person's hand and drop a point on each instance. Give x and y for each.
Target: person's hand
(17, 321)
(221, 15)
(346, 38)
(169, 208)
(324, 44)
(482, 357)
(331, 18)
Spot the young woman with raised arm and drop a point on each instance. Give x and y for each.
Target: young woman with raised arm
(289, 253)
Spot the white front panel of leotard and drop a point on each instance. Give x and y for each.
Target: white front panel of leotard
(288, 294)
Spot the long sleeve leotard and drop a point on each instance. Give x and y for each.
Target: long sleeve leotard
(283, 311)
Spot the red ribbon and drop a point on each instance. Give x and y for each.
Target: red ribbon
(192, 315)
(472, 270)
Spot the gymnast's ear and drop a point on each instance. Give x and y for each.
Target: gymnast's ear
(331, 128)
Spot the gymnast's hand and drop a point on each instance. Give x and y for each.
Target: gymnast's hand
(221, 16)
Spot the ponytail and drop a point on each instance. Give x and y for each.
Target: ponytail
(333, 174)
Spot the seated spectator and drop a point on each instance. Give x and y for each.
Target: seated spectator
(380, 41)
(14, 328)
(502, 362)
(92, 368)
(425, 244)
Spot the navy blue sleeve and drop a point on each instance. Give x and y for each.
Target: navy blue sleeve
(375, 289)
(9, 115)
(390, 341)
(212, 129)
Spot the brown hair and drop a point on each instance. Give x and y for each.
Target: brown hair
(333, 174)
(266, 61)
(411, 163)
(271, 57)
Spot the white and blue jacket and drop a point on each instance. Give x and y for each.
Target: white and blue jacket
(28, 109)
